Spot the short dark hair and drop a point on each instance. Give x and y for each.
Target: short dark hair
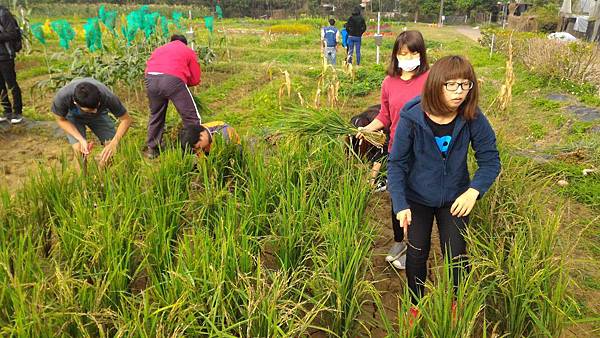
(87, 95)
(189, 136)
(178, 37)
(448, 68)
(413, 40)
(332, 22)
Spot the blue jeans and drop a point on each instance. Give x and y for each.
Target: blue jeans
(354, 41)
(330, 53)
(101, 125)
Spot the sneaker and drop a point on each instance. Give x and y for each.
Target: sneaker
(3, 118)
(400, 263)
(397, 249)
(18, 118)
(151, 153)
(381, 186)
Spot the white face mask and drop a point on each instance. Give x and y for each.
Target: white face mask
(408, 65)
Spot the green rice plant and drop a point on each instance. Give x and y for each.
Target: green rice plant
(344, 254)
(450, 312)
(311, 122)
(515, 249)
(279, 304)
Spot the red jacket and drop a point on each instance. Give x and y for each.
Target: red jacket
(395, 92)
(177, 59)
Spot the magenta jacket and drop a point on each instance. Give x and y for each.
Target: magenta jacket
(177, 59)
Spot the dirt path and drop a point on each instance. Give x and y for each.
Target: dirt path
(24, 147)
(470, 32)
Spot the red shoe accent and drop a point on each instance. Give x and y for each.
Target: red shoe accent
(413, 315)
(454, 311)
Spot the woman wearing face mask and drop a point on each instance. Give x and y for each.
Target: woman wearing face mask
(406, 75)
(427, 172)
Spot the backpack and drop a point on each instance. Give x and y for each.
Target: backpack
(17, 45)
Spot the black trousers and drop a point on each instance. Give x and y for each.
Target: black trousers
(398, 230)
(161, 89)
(8, 81)
(452, 243)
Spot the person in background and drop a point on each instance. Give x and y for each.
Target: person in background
(344, 33)
(170, 71)
(356, 27)
(406, 75)
(428, 175)
(10, 44)
(85, 103)
(329, 39)
(199, 138)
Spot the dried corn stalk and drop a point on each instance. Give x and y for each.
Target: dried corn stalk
(504, 98)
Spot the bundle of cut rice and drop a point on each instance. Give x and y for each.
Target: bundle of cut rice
(326, 122)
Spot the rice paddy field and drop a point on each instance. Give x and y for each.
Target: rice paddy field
(285, 237)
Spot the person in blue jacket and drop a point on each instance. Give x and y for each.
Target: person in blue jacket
(344, 33)
(329, 39)
(427, 170)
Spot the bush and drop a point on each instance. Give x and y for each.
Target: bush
(577, 62)
(547, 17)
(295, 28)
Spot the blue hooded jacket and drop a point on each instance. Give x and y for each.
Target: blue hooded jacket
(418, 172)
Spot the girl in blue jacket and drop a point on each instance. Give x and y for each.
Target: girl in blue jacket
(427, 170)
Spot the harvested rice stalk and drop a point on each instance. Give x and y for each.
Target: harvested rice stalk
(301, 99)
(324, 122)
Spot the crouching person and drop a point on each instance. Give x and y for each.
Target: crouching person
(199, 138)
(368, 151)
(85, 103)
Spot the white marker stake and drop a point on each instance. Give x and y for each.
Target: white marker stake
(378, 30)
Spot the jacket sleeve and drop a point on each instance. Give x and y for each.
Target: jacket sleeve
(398, 164)
(384, 112)
(483, 141)
(363, 26)
(195, 70)
(10, 30)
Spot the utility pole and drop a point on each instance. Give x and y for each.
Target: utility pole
(441, 18)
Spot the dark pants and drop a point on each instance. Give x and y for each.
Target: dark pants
(354, 42)
(398, 230)
(161, 89)
(8, 81)
(452, 243)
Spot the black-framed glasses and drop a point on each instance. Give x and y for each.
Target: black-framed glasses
(453, 86)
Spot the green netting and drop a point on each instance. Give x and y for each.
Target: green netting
(38, 32)
(150, 21)
(141, 19)
(177, 19)
(64, 31)
(208, 23)
(93, 34)
(219, 12)
(164, 26)
(108, 18)
(135, 22)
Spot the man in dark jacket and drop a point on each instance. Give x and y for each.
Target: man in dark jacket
(356, 27)
(9, 37)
